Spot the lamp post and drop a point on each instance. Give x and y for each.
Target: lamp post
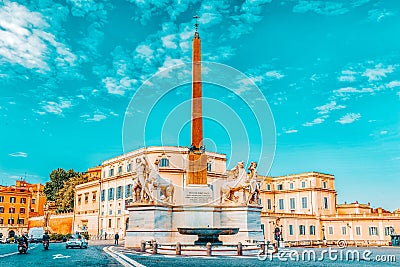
(323, 234)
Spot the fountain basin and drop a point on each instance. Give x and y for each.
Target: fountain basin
(208, 234)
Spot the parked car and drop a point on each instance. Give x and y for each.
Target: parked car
(76, 240)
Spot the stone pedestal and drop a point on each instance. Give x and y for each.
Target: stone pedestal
(149, 222)
(246, 218)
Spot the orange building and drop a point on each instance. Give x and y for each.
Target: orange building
(16, 203)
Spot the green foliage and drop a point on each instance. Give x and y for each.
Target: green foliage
(65, 196)
(56, 237)
(57, 179)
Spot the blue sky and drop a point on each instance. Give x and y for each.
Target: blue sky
(328, 69)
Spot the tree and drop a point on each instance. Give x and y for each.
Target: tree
(65, 196)
(57, 179)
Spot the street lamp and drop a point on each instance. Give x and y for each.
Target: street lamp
(323, 233)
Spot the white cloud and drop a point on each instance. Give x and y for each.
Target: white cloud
(347, 76)
(24, 40)
(274, 74)
(383, 132)
(393, 84)
(320, 7)
(56, 108)
(118, 87)
(291, 131)
(325, 109)
(378, 72)
(97, 116)
(168, 41)
(349, 118)
(19, 154)
(349, 90)
(318, 120)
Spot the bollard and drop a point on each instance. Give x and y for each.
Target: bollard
(155, 247)
(178, 248)
(208, 246)
(239, 249)
(143, 246)
(262, 249)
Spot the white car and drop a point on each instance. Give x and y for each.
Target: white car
(76, 241)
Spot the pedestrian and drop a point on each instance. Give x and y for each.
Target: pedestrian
(116, 238)
(105, 235)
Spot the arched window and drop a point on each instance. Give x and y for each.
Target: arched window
(164, 162)
(208, 166)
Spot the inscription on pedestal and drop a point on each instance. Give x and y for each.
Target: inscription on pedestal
(197, 195)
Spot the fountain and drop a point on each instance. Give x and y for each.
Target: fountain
(207, 234)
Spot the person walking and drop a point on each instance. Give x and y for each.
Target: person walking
(116, 237)
(105, 235)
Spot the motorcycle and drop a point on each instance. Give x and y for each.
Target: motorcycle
(46, 244)
(22, 247)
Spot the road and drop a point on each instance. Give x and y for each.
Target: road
(57, 255)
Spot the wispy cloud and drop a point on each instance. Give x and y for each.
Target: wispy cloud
(318, 120)
(347, 76)
(26, 41)
(274, 74)
(349, 118)
(94, 117)
(379, 14)
(291, 131)
(378, 72)
(320, 7)
(54, 107)
(19, 154)
(352, 90)
(327, 108)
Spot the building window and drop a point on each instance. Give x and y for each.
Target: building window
(119, 192)
(330, 230)
(269, 203)
(389, 230)
(303, 184)
(1, 209)
(324, 184)
(22, 210)
(11, 210)
(128, 190)
(344, 230)
(1, 221)
(128, 167)
(33, 201)
(280, 186)
(111, 172)
(119, 170)
(22, 200)
(268, 187)
(103, 195)
(12, 199)
(292, 203)
(291, 185)
(11, 221)
(373, 230)
(358, 230)
(281, 206)
(20, 221)
(109, 223)
(312, 229)
(110, 193)
(110, 212)
(304, 202)
(1, 198)
(79, 199)
(302, 229)
(290, 229)
(94, 196)
(86, 198)
(325, 203)
(164, 162)
(208, 166)
(119, 212)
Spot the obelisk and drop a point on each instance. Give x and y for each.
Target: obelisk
(197, 172)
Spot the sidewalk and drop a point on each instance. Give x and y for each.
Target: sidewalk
(108, 242)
